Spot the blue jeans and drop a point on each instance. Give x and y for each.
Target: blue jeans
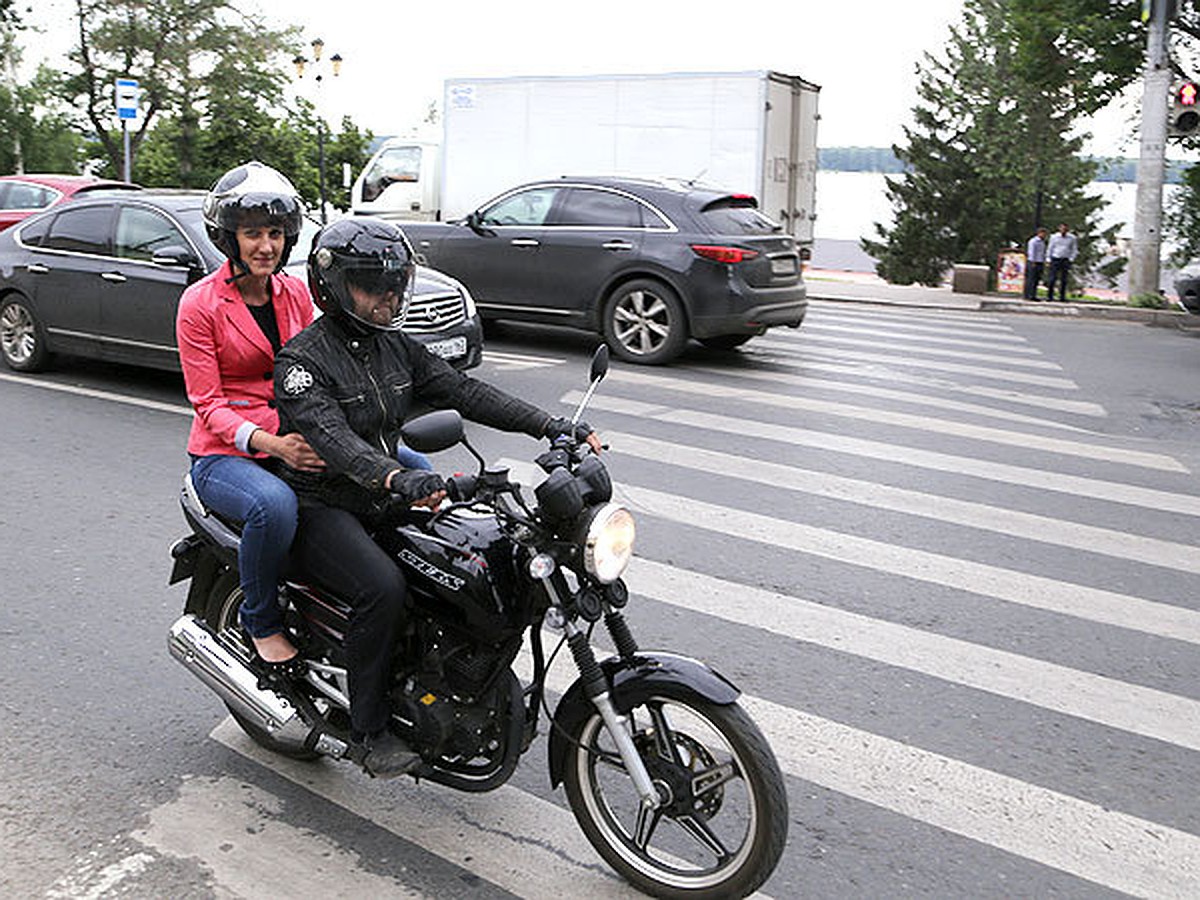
(239, 488)
(411, 459)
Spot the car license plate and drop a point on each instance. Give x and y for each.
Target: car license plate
(451, 348)
(784, 265)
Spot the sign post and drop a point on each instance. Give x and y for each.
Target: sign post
(126, 90)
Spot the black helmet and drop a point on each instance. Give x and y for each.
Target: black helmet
(252, 194)
(366, 253)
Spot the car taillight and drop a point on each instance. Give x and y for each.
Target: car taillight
(723, 254)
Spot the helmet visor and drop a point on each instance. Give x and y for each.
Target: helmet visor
(380, 290)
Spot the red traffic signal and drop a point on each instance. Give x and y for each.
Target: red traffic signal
(1183, 119)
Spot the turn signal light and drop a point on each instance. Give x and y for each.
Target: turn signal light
(723, 254)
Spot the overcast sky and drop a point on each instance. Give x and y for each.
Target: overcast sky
(862, 53)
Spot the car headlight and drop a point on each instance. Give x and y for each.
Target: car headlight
(608, 542)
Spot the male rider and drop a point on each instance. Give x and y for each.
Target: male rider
(345, 383)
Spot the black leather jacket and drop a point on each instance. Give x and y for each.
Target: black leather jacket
(348, 394)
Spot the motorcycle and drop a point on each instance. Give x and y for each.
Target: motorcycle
(668, 777)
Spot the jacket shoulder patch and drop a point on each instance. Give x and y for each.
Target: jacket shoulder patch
(297, 380)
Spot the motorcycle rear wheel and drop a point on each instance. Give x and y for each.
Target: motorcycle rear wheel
(221, 615)
(723, 822)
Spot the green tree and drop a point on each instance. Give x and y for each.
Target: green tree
(992, 149)
(188, 55)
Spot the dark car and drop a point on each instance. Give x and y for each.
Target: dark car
(1187, 286)
(101, 277)
(23, 195)
(646, 263)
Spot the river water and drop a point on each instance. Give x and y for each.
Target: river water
(848, 203)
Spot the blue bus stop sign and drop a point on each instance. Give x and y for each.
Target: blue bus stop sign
(127, 98)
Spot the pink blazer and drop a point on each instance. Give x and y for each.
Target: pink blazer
(228, 363)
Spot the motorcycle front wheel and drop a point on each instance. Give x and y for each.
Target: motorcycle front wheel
(722, 823)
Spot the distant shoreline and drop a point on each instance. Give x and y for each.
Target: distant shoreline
(883, 160)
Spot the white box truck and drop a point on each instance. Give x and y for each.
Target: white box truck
(750, 132)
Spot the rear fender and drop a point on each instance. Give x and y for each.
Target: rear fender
(630, 682)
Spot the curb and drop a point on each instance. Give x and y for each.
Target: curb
(1168, 318)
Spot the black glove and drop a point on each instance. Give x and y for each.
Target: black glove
(561, 427)
(411, 485)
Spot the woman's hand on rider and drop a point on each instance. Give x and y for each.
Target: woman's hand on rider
(292, 448)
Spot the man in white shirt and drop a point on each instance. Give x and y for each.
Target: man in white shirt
(1035, 263)
(1063, 249)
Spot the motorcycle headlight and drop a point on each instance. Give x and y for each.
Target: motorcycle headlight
(608, 542)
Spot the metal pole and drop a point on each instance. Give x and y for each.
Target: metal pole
(125, 140)
(321, 165)
(1147, 217)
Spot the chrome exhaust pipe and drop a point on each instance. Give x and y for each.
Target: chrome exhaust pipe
(195, 645)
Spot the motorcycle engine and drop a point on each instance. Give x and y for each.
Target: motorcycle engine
(456, 704)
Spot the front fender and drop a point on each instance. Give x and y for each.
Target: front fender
(629, 683)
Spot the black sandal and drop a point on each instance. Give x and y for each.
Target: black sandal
(290, 669)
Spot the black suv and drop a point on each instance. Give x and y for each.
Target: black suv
(646, 263)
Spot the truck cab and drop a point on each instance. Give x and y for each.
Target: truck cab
(401, 181)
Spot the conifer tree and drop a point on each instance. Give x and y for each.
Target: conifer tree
(993, 150)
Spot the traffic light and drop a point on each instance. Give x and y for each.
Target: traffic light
(1184, 117)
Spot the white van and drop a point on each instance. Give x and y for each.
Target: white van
(401, 181)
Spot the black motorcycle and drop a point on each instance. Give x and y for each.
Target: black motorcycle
(668, 777)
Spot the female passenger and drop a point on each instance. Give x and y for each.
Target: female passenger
(229, 327)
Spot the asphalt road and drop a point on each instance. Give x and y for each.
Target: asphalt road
(950, 558)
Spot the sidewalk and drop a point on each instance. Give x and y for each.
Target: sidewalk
(863, 287)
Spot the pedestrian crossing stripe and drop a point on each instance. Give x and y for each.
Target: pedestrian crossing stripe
(899, 419)
(900, 455)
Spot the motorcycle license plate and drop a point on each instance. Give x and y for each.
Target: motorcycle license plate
(451, 348)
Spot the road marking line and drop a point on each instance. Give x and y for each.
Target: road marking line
(1110, 848)
(905, 363)
(233, 829)
(1007, 395)
(95, 394)
(838, 341)
(517, 841)
(911, 398)
(972, 578)
(1109, 491)
(1028, 526)
(993, 342)
(924, 423)
(949, 321)
(85, 884)
(1138, 710)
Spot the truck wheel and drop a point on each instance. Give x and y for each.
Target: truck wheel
(22, 340)
(644, 323)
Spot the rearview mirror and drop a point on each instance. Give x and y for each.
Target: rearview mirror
(474, 221)
(433, 431)
(599, 363)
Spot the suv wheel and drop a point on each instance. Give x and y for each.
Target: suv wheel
(22, 341)
(644, 323)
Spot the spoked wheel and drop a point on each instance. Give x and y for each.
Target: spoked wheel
(221, 615)
(22, 342)
(644, 323)
(722, 823)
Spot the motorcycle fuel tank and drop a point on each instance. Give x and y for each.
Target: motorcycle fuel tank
(465, 562)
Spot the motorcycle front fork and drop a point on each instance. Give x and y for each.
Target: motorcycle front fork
(596, 687)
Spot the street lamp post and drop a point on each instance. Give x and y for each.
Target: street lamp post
(335, 66)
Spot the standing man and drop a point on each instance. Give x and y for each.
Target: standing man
(1035, 263)
(1063, 249)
